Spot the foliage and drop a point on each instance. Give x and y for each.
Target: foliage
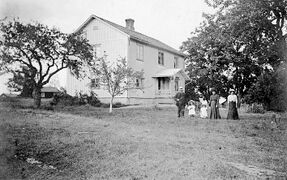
(262, 90)
(191, 92)
(270, 90)
(42, 51)
(115, 77)
(232, 47)
(256, 108)
(22, 81)
(64, 99)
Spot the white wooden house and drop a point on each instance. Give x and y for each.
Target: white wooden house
(163, 66)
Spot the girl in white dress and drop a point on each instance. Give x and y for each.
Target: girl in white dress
(203, 109)
(191, 109)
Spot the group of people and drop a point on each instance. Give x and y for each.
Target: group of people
(201, 107)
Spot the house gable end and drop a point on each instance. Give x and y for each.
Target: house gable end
(91, 18)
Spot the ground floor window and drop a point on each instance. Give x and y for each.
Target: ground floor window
(139, 82)
(163, 83)
(95, 83)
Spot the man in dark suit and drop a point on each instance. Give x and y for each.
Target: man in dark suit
(180, 102)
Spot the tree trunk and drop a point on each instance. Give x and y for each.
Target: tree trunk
(37, 97)
(111, 105)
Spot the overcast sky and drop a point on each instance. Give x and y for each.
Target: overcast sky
(170, 21)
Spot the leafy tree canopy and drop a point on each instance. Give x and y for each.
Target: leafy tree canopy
(232, 47)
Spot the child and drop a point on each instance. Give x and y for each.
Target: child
(203, 109)
(191, 108)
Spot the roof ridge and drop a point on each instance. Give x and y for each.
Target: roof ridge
(138, 36)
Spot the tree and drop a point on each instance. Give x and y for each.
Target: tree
(270, 89)
(233, 46)
(22, 81)
(116, 77)
(43, 51)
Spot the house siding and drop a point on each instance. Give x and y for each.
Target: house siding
(113, 43)
(150, 67)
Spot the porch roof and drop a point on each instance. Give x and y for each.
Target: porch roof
(170, 73)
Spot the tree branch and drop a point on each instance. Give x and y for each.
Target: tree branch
(53, 73)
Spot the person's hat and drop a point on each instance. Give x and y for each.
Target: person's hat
(231, 90)
(213, 89)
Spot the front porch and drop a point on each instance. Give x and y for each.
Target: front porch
(168, 82)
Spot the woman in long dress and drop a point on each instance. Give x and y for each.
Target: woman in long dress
(214, 106)
(232, 106)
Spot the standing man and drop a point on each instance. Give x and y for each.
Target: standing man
(180, 102)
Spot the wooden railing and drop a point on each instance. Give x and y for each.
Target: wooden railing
(163, 93)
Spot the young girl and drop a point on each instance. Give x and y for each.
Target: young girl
(203, 109)
(191, 108)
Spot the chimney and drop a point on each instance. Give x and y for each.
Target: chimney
(130, 24)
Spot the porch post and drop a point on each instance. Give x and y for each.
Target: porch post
(172, 84)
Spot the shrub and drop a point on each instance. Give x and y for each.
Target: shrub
(256, 108)
(93, 100)
(65, 99)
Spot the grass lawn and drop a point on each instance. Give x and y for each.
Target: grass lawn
(138, 143)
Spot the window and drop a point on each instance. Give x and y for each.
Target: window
(160, 58)
(163, 83)
(140, 52)
(176, 83)
(139, 83)
(175, 63)
(96, 51)
(95, 83)
(95, 28)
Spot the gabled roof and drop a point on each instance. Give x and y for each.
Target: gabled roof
(135, 36)
(49, 89)
(170, 73)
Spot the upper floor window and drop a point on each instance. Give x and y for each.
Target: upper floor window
(96, 51)
(160, 58)
(140, 52)
(175, 63)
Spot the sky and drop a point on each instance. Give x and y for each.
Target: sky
(170, 21)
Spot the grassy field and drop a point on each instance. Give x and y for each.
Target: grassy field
(137, 143)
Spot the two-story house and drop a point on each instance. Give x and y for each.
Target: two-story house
(162, 65)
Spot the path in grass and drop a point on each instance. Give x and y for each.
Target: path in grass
(147, 143)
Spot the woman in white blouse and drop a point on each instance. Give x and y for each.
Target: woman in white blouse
(232, 105)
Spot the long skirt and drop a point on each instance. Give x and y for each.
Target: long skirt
(232, 111)
(214, 111)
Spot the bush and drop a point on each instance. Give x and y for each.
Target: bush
(65, 99)
(93, 100)
(256, 108)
